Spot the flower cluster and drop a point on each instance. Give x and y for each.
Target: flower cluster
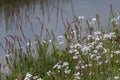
(30, 76)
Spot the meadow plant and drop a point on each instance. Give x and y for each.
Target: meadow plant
(72, 56)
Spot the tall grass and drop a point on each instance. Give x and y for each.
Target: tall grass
(12, 11)
(82, 53)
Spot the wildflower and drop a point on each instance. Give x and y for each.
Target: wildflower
(8, 55)
(98, 57)
(40, 79)
(77, 78)
(77, 67)
(104, 50)
(97, 38)
(73, 51)
(29, 75)
(117, 52)
(89, 65)
(97, 33)
(95, 51)
(90, 37)
(67, 71)
(114, 19)
(100, 63)
(75, 57)
(35, 42)
(118, 17)
(28, 44)
(49, 73)
(94, 19)
(35, 77)
(81, 17)
(77, 45)
(50, 41)
(26, 78)
(77, 74)
(71, 46)
(99, 46)
(85, 49)
(43, 41)
(57, 66)
(116, 77)
(82, 66)
(61, 43)
(92, 55)
(111, 55)
(65, 64)
(119, 69)
(106, 61)
(77, 53)
(106, 36)
(112, 34)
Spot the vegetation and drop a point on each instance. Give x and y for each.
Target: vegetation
(82, 53)
(13, 11)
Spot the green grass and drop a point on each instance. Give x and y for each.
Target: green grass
(73, 56)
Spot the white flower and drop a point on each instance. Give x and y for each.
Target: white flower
(114, 19)
(92, 55)
(35, 77)
(77, 74)
(97, 33)
(65, 64)
(81, 17)
(77, 77)
(90, 37)
(106, 61)
(26, 78)
(99, 46)
(107, 36)
(82, 66)
(98, 57)
(75, 57)
(35, 42)
(29, 75)
(112, 34)
(43, 41)
(118, 17)
(67, 71)
(95, 51)
(73, 51)
(49, 72)
(89, 65)
(40, 79)
(28, 44)
(8, 55)
(94, 19)
(116, 77)
(77, 67)
(58, 66)
(77, 45)
(50, 41)
(61, 43)
(85, 49)
(117, 52)
(77, 53)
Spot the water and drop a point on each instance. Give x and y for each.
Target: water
(52, 18)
